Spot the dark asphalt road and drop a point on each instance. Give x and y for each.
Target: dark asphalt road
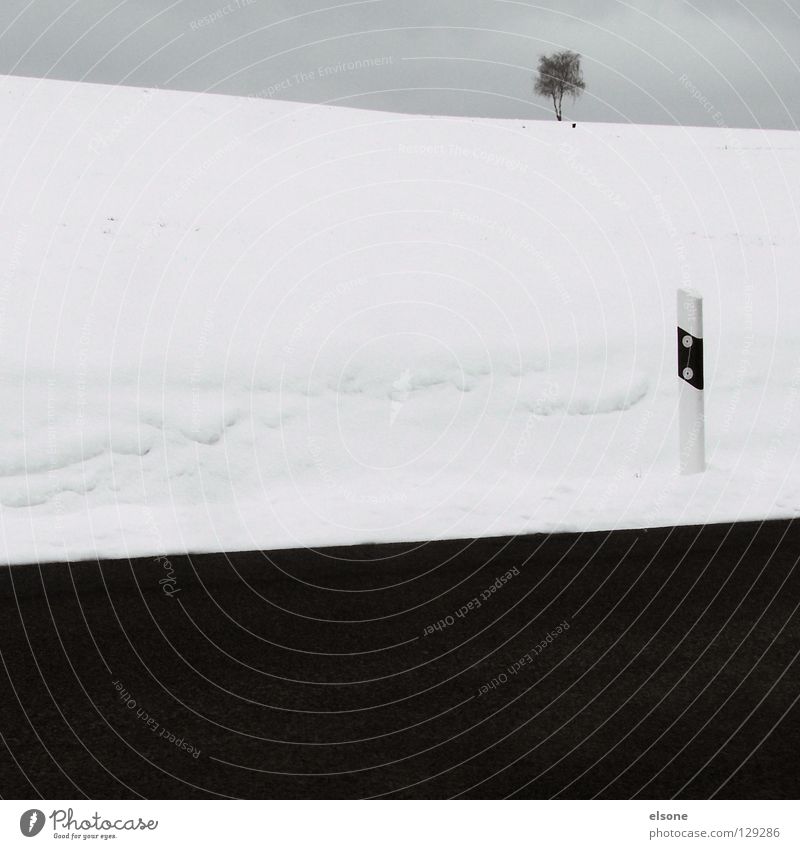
(309, 673)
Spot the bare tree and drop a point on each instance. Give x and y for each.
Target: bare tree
(560, 74)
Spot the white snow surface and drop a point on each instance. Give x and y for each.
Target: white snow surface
(231, 323)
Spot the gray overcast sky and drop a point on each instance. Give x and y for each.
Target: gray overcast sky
(658, 61)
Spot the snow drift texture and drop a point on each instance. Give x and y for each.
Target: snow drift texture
(229, 323)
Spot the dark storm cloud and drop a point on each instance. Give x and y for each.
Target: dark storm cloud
(666, 61)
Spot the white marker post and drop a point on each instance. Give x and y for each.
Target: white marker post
(692, 389)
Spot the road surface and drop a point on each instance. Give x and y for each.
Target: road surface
(649, 664)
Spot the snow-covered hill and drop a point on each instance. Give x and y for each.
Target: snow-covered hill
(230, 323)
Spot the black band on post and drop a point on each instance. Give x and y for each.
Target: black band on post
(690, 359)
